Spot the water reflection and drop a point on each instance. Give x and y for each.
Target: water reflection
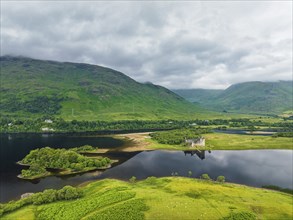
(199, 153)
(14, 147)
(250, 167)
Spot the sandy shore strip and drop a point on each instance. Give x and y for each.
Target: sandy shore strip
(260, 132)
(136, 141)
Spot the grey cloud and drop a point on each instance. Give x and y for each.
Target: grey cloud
(174, 44)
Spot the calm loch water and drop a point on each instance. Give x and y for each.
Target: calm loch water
(250, 167)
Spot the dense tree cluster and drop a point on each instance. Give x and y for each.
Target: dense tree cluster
(47, 157)
(47, 196)
(33, 170)
(178, 136)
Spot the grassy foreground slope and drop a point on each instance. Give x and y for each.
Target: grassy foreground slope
(164, 198)
(34, 88)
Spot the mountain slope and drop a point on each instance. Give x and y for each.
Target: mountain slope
(248, 97)
(198, 95)
(32, 87)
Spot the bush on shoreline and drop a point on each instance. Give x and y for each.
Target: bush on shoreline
(47, 196)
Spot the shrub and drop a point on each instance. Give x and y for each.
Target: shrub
(205, 176)
(69, 192)
(174, 173)
(221, 179)
(189, 173)
(240, 216)
(132, 179)
(84, 148)
(150, 180)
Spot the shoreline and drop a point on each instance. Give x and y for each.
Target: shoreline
(134, 141)
(62, 173)
(214, 141)
(97, 132)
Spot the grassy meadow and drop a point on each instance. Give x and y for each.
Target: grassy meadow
(219, 141)
(164, 198)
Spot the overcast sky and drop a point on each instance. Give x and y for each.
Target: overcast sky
(173, 44)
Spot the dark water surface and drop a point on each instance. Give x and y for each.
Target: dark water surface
(250, 167)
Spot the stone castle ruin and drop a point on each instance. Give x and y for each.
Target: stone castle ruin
(196, 142)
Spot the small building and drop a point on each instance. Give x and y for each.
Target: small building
(49, 121)
(10, 124)
(47, 129)
(197, 142)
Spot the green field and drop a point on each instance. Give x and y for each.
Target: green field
(164, 198)
(218, 141)
(221, 141)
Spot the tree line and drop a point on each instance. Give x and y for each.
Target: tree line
(10, 124)
(176, 137)
(47, 196)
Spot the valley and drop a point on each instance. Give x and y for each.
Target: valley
(104, 134)
(264, 98)
(146, 110)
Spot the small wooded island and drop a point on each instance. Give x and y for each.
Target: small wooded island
(47, 161)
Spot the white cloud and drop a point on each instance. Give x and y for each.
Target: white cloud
(174, 44)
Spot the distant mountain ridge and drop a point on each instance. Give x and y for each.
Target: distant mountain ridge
(247, 97)
(31, 88)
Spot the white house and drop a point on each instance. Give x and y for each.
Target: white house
(47, 129)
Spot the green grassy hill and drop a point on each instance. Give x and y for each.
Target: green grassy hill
(164, 198)
(248, 97)
(32, 88)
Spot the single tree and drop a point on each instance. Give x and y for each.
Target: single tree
(205, 176)
(221, 179)
(189, 173)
